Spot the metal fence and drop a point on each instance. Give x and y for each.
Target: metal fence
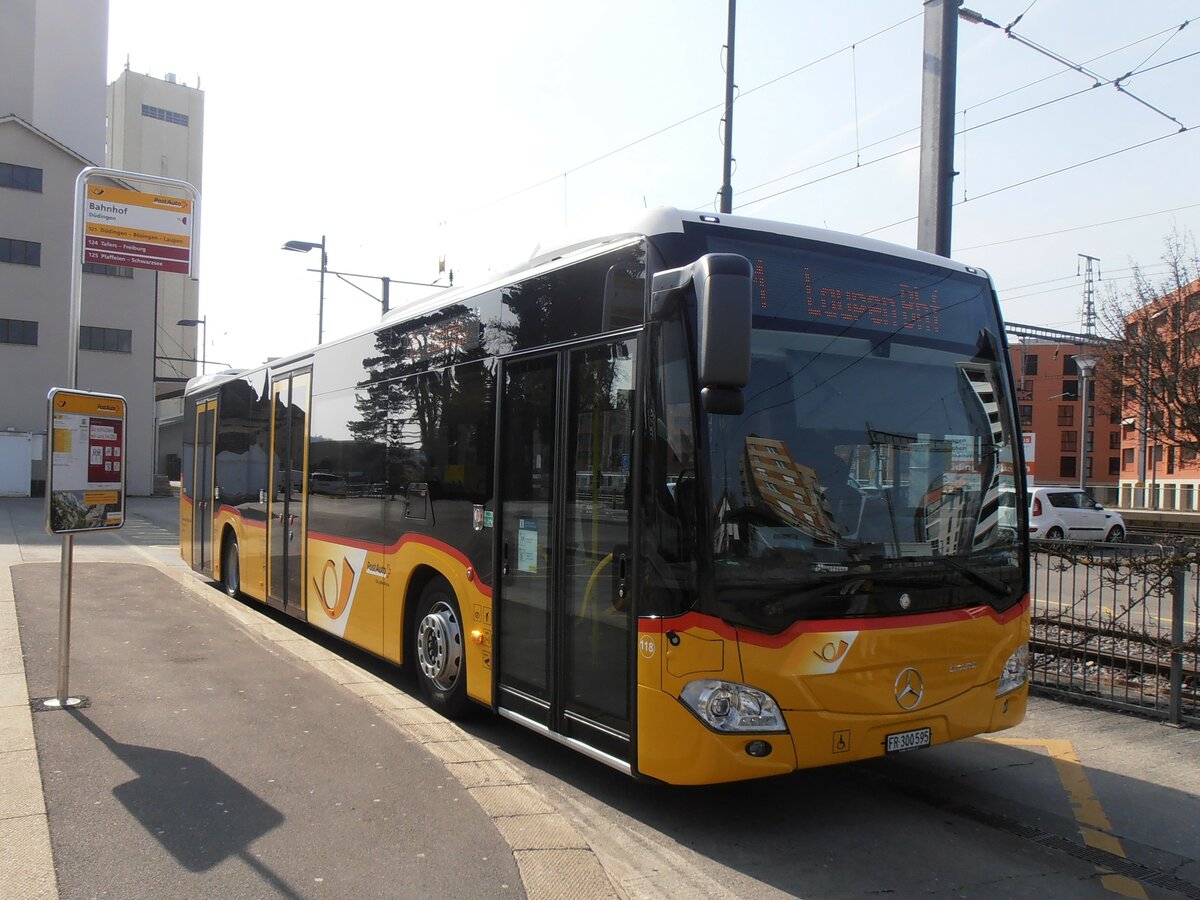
(1116, 625)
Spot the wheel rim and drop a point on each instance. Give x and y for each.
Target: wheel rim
(232, 575)
(1055, 534)
(439, 646)
(1116, 535)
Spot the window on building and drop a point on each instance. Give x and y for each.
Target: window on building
(1070, 389)
(1127, 456)
(23, 253)
(112, 340)
(1114, 417)
(1089, 467)
(21, 178)
(164, 115)
(1070, 441)
(1069, 366)
(1114, 465)
(18, 331)
(1114, 440)
(103, 269)
(1091, 441)
(1031, 364)
(1067, 467)
(1187, 454)
(1027, 416)
(1193, 304)
(1066, 415)
(1170, 460)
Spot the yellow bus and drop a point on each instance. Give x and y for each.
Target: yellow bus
(706, 499)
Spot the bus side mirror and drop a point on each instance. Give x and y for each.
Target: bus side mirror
(723, 286)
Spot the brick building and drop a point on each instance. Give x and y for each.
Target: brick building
(1060, 432)
(1161, 410)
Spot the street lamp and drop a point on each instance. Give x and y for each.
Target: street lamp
(1086, 365)
(304, 247)
(203, 323)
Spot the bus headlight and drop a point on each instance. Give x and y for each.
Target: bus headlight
(731, 707)
(1016, 671)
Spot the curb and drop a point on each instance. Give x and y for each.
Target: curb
(26, 860)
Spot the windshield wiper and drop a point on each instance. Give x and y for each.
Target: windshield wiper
(996, 588)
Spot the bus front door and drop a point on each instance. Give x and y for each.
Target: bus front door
(287, 506)
(203, 501)
(564, 617)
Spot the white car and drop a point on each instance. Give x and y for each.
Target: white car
(1063, 513)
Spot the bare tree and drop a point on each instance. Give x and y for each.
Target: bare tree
(1153, 362)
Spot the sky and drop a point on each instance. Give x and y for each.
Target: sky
(476, 131)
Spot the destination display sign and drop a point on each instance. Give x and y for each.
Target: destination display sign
(86, 487)
(855, 293)
(136, 229)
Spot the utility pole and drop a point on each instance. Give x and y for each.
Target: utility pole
(1089, 293)
(727, 170)
(937, 126)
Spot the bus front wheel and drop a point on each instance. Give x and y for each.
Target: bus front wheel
(439, 649)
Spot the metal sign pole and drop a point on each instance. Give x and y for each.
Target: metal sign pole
(67, 554)
(62, 699)
(64, 625)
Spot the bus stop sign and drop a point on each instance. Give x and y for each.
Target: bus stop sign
(85, 489)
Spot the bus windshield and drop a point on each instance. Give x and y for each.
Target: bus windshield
(872, 469)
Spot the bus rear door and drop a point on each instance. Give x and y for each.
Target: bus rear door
(564, 617)
(203, 499)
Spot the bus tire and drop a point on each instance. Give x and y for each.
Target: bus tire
(439, 649)
(231, 568)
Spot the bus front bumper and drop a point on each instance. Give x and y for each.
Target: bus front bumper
(674, 746)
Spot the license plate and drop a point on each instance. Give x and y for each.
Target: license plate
(909, 740)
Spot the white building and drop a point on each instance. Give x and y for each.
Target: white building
(116, 346)
(52, 69)
(56, 118)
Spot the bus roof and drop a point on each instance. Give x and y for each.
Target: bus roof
(659, 221)
(648, 223)
(667, 220)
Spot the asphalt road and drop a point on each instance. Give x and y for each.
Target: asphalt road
(208, 765)
(1074, 802)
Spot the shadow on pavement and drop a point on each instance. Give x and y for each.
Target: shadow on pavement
(198, 813)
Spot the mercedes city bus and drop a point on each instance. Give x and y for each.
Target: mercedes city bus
(707, 498)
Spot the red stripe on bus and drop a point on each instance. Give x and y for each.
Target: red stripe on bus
(729, 632)
(449, 550)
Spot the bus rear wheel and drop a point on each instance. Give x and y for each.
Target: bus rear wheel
(231, 571)
(439, 649)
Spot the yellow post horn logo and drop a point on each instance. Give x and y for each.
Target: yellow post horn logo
(340, 593)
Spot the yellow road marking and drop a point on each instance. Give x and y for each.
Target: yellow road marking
(1093, 823)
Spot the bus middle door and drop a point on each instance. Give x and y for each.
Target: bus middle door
(287, 498)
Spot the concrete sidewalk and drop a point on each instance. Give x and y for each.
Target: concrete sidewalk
(236, 758)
